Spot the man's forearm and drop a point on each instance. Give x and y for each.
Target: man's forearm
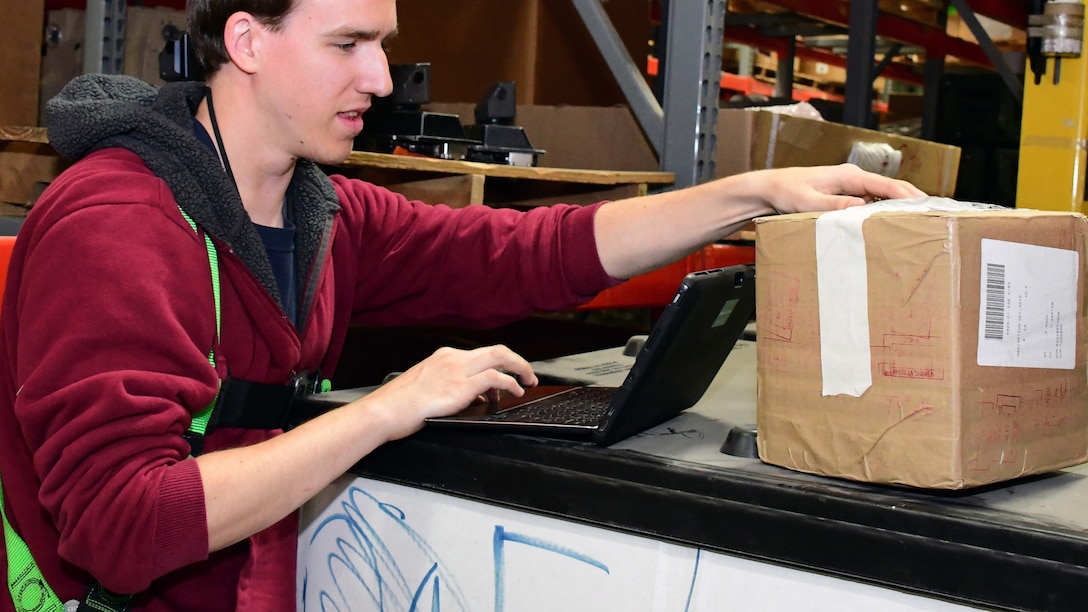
(642, 234)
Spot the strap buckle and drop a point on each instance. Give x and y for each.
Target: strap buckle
(255, 405)
(304, 384)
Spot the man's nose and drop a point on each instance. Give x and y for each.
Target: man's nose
(374, 77)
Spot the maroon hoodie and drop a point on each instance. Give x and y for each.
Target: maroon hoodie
(108, 319)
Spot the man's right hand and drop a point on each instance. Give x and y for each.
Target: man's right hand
(447, 382)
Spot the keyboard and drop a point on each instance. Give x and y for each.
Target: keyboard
(582, 406)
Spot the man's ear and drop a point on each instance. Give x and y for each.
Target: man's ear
(239, 35)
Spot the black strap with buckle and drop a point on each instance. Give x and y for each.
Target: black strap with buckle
(253, 405)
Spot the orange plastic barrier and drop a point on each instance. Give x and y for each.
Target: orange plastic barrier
(7, 243)
(657, 288)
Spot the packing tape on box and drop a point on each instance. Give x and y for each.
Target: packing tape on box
(878, 157)
(842, 278)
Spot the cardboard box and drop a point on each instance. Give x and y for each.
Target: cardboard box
(1002, 35)
(902, 300)
(751, 139)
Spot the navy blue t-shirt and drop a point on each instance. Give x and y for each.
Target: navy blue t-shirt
(279, 243)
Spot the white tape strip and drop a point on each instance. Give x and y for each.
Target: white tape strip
(843, 286)
(842, 278)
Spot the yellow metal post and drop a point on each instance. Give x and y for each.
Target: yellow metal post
(1053, 129)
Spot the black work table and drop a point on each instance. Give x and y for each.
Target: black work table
(1022, 545)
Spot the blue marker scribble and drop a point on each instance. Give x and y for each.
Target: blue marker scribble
(362, 560)
(434, 591)
(694, 575)
(362, 571)
(502, 537)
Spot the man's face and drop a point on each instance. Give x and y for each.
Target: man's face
(317, 74)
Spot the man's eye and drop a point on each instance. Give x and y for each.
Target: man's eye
(345, 46)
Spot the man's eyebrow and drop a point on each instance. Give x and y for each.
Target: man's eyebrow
(365, 35)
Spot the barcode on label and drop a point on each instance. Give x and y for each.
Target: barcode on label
(995, 302)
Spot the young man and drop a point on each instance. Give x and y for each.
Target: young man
(110, 337)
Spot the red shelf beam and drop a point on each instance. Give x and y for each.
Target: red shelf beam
(934, 40)
(748, 36)
(749, 85)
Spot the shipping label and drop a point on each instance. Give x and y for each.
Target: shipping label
(1028, 306)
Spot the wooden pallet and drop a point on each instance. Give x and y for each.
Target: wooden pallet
(461, 183)
(28, 164)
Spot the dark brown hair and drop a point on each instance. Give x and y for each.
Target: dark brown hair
(208, 18)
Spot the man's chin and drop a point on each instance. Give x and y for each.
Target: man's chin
(333, 156)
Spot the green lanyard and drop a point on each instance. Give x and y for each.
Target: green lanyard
(29, 590)
(199, 423)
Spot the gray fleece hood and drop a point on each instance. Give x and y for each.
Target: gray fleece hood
(97, 111)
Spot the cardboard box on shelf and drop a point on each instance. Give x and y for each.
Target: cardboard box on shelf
(940, 350)
(753, 139)
(1002, 35)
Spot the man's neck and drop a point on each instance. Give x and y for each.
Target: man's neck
(261, 173)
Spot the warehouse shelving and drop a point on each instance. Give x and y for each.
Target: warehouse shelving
(690, 63)
(679, 120)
